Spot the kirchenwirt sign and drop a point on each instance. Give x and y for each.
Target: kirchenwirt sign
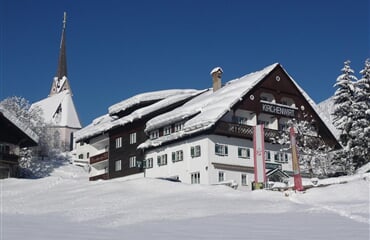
(278, 109)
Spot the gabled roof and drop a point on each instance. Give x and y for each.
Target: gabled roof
(105, 123)
(203, 111)
(14, 131)
(59, 110)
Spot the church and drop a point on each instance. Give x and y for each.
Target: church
(58, 109)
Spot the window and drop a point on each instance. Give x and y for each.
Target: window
(221, 149)
(195, 178)
(179, 126)
(177, 156)
(195, 151)
(268, 97)
(132, 161)
(154, 134)
(221, 176)
(148, 163)
(244, 180)
(118, 142)
(133, 138)
(241, 120)
(167, 130)
(162, 160)
(244, 153)
(81, 156)
(88, 155)
(118, 165)
(281, 157)
(268, 155)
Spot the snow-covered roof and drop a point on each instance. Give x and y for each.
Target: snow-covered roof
(203, 111)
(59, 110)
(206, 109)
(107, 122)
(98, 126)
(145, 97)
(22, 126)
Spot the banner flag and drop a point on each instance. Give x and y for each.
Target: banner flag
(259, 154)
(296, 172)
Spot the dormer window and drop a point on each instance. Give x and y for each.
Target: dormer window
(154, 134)
(167, 130)
(179, 126)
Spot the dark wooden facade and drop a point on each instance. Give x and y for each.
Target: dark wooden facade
(127, 150)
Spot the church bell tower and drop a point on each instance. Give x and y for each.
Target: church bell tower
(60, 81)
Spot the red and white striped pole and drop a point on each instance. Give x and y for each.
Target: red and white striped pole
(296, 172)
(259, 156)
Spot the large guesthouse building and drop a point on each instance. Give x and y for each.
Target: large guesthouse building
(201, 136)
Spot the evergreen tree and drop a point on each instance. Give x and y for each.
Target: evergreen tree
(343, 115)
(360, 132)
(312, 150)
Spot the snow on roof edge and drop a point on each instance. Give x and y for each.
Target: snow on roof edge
(22, 126)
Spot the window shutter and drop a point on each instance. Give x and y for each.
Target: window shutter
(192, 153)
(226, 150)
(173, 156)
(198, 147)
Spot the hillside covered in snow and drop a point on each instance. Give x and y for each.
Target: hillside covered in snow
(66, 205)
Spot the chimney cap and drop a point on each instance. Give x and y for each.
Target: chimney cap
(216, 69)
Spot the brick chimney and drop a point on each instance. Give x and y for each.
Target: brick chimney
(216, 74)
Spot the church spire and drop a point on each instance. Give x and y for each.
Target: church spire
(60, 82)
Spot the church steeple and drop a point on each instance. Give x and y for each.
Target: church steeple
(60, 82)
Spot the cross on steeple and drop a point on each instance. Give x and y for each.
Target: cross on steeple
(60, 82)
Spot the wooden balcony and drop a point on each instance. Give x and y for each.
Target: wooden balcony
(9, 158)
(243, 131)
(99, 157)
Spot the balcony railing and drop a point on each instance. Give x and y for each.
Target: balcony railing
(10, 158)
(243, 131)
(246, 131)
(99, 157)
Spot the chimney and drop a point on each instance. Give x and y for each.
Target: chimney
(216, 74)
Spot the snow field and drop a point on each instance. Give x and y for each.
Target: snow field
(66, 205)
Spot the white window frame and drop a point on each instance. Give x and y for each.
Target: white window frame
(118, 142)
(195, 151)
(244, 152)
(179, 126)
(177, 156)
(162, 160)
(195, 178)
(118, 165)
(221, 149)
(132, 160)
(221, 176)
(149, 163)
(133, 138)
(154, 134)
(167, 130)
(267, 155)
(244, 179)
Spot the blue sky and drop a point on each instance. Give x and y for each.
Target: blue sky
(118, 48)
